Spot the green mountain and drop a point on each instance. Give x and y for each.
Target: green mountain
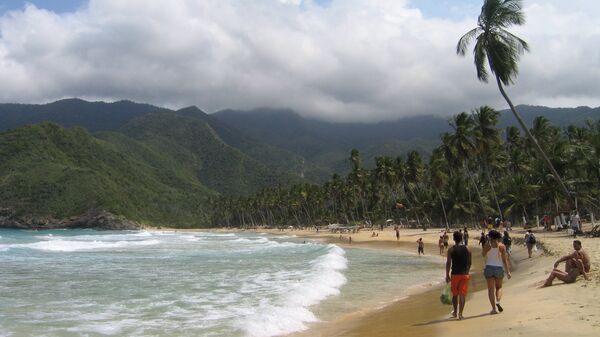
(49, 170)
(160, 168)
(94, 116)
(201, 153)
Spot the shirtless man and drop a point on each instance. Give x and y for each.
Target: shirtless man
(576, 263)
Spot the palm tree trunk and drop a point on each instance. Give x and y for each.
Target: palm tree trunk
(443, 207)
(534, 141)
(476, 188)
(489, 176)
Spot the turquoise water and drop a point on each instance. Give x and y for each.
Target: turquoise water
(128, 283)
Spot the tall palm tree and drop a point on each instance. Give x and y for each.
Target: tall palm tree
(487, 142)
(502, 49)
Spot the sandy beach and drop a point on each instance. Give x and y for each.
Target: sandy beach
(530, 310)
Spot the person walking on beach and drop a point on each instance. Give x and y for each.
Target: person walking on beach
(530, 241)
(446, 238)
(420, 246)
(496, 263)
(441, 244)
(466, 237)
(482, 239)
(576, 263)
(507, 241)
(397, 233)
(458, 261)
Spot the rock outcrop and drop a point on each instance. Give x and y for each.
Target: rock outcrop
(97, 219)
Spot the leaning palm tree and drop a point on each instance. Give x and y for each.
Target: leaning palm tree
(501, 49)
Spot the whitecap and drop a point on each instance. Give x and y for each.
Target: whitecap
(74, 246)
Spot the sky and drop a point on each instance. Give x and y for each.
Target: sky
(338, 60)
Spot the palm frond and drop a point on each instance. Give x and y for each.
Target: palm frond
(480, 56)
(465, 40)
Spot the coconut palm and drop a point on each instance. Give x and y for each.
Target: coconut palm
(501, 49)
(487, 142)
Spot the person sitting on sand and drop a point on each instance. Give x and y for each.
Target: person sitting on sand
(496, 263)
(576, 263)
(459, 261)
(420, 246)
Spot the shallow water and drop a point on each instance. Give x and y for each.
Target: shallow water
(128, 283)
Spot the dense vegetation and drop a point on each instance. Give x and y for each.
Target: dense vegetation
(478, 170)
(159, 169)
(49, 170)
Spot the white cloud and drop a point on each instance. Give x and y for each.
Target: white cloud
(351, 60)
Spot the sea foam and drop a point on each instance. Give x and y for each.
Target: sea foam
(291, 312)
(74, 246)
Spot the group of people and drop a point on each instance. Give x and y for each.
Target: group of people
(443, 240)
(495, 251)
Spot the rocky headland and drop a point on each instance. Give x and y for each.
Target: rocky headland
(97, 219)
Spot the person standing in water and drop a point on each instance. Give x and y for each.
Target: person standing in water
(459, 262)
(420, 246)
(496, 264)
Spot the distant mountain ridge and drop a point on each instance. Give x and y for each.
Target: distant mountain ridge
(281, 138)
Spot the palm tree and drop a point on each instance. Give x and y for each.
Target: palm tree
(487, 141)
(463, 147)
(502, 49)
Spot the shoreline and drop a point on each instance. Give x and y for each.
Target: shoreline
(569, 309)
(529, 309)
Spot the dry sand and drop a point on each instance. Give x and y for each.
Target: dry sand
(529, 310)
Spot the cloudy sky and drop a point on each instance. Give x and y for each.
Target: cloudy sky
(351, 60)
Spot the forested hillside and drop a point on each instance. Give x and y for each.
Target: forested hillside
(49, 170)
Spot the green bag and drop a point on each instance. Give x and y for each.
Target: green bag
(446, 295)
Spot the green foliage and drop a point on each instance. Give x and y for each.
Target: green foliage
(473, 174)
(48, 170)
(163, 174)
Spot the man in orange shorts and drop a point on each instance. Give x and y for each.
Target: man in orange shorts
(458, 264)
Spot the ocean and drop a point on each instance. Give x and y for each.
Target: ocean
(139, 283)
